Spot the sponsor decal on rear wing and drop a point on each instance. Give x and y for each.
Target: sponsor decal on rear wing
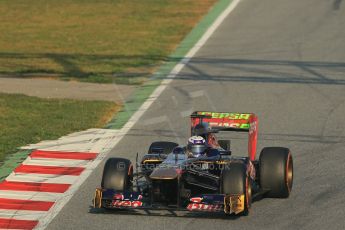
(216, 120)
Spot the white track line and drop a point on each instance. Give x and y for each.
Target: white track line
(42, 178)
(144, 107)
(137, 115)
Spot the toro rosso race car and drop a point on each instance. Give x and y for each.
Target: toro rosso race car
(201, 176)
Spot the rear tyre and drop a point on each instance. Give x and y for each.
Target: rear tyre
(117, 174)
(276, 171)
(225, 144)
(167, 146)
(235, 181)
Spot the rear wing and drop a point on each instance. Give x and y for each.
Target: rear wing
(221, 121)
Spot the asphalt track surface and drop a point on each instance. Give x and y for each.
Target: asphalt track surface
(283, 60)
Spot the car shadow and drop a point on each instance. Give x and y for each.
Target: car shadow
(163, 213)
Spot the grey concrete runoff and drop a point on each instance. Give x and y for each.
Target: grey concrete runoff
(283, 60)
(50, 88)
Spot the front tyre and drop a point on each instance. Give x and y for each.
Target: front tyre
(234, 181)
(117, 174)
(276, 171)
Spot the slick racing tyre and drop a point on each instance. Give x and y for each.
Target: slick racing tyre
(276, 171)
(234, 181)
(165, 145)
(117, 174)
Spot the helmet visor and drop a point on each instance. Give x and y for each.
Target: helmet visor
(197, 149)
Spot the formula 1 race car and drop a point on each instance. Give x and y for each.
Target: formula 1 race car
(202, 176)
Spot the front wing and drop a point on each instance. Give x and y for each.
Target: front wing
(111, 199)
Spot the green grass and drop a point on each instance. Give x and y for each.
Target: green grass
(25, 120)
(120, 41)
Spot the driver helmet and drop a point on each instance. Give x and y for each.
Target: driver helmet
(196, 146)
